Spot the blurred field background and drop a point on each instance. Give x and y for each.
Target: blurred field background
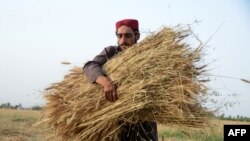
(17, 125)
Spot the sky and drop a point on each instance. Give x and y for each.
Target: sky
(37, 35)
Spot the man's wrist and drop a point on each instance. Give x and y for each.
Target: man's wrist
(103, 80)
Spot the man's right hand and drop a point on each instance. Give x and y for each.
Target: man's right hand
(109, 88)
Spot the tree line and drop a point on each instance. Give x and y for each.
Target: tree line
(234, 118)
(19, 106)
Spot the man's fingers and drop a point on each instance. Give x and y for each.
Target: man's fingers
(106, 95)
(115, 95)
(109, 96)
(114, 92)
(110, 91)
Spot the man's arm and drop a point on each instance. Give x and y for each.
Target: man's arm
(93, 69)
(109, 88)
(94, 72)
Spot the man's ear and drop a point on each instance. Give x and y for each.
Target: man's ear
(137, 36)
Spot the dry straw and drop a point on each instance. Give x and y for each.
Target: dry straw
(159, 79)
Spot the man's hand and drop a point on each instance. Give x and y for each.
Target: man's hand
(110, 91)
(109, 88)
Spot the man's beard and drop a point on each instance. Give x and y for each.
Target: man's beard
(125, 45)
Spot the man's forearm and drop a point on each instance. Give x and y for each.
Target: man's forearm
(93, 71)
(109, 88)
(102, 80)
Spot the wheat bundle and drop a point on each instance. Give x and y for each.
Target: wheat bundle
(158, 80)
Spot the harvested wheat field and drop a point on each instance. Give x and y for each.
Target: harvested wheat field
(159, 79)
(17, 125)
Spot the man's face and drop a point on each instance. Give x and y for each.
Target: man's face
(125, 37)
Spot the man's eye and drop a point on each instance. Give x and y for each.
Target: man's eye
(126, 35)
(119, 35)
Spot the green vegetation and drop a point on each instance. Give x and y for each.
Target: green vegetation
(194, 136)
(9, 106)
(236, 118)
(19, 106)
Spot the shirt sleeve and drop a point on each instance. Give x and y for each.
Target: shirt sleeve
(93, 69)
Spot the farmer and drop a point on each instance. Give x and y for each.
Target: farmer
(127, 33)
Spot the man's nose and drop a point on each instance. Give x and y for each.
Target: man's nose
(123, 39)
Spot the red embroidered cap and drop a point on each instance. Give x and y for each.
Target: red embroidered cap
(133, 23)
